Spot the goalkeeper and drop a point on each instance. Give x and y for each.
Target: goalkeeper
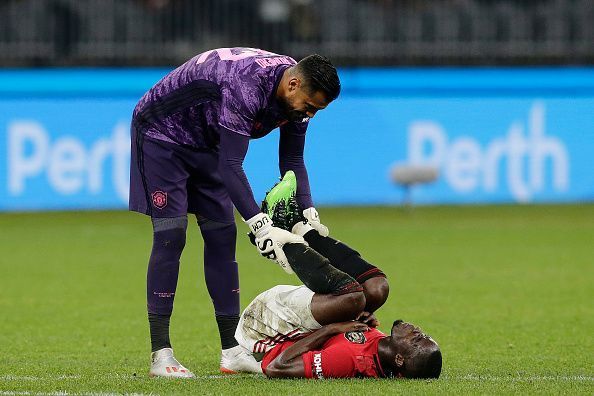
(308, 331)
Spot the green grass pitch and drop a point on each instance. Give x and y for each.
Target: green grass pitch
(507, 291)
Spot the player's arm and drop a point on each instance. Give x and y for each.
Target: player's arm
(241, 101)
(242, 98)
(290, 157)
(232, 150)
(289, 363)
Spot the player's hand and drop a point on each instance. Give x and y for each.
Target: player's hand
(313, 218)
(345, 327)
(269, 240)
(368, 318)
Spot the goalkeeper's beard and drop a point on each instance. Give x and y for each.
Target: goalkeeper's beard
(290, 113)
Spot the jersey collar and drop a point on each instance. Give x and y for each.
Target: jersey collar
(380, 370)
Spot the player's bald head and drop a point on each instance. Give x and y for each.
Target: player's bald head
(318, 75)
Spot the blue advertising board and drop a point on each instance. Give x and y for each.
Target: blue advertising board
(494, 135)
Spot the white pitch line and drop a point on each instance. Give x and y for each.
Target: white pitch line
(19, 393)
(494, 378)
(467, 377)
(11, 393)
(11, 377)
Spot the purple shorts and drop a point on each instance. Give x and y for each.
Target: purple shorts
(168, 180)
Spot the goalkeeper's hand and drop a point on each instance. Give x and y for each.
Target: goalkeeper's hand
(269, 240)
(313, 218)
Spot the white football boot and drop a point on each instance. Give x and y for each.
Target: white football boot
(164, 364)
(238, 360)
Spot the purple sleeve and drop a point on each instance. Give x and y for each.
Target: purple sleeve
(232, 150)
(290, 157)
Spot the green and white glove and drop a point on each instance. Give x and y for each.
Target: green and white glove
(313, 219)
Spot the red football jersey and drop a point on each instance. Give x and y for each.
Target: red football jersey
(346, 355)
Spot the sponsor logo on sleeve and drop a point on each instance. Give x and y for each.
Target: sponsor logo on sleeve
(317, 366)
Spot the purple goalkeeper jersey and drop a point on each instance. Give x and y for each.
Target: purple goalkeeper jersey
(219, 100)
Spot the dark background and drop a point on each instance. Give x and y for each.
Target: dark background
(350, 32)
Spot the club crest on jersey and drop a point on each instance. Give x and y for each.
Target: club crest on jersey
(356, 337)
(159, 199)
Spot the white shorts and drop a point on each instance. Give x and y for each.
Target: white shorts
(276, 315)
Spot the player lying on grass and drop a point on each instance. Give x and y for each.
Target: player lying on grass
(310, 331)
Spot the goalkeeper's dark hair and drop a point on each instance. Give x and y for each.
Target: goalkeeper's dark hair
(319, 75)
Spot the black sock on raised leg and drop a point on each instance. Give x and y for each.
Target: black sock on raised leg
(316, 272)
(342, 256)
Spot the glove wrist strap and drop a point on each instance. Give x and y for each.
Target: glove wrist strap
(259, 224)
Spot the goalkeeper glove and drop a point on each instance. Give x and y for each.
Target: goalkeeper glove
(269, 240)
(313, 218)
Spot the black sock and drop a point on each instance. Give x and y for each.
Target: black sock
(316, 272)
(159, 327)
(227, 325)
(342, 256)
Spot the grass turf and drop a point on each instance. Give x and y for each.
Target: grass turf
(507, 291)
